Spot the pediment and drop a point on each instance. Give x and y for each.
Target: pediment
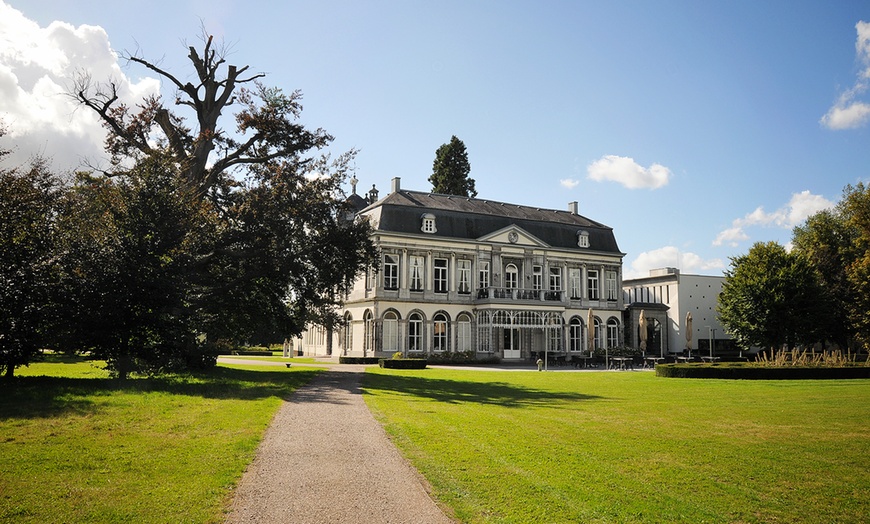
(513, 235)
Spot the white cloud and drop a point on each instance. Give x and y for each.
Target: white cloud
(37, 67)
(800, 207)
(629, 173)
(849, 111)
(670, 256)
(569, 183)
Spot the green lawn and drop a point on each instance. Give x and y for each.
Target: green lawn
(77, 446)
(629, 447)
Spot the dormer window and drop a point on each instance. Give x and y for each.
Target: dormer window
(428, 223)
(583, 238)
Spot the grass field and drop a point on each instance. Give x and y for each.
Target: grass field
(523, 447)
(77, 446)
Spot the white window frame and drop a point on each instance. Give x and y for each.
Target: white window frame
(391, 271)
(463, 268)
(576, 277)
(612, 333)
(511, 276)
(463, 333)
(440, 279)
(440, 339)
(415, 332)
(592, 284)
(391, 332)
(537, 278)
(417, 264)
(555, 278)
(483, 275)
(610, 279)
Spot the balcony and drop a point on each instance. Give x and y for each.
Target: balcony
(503, 294)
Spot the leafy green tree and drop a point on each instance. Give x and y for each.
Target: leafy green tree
(826, 243)
(28, 205)
(836, 242)
(772, 298)
(450, 170)
(125, 287)
(272, 247)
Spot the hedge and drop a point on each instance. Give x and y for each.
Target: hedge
(760, 373)
(402, 363)
(358, 360)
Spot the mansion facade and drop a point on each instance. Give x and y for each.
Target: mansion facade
(461, 274)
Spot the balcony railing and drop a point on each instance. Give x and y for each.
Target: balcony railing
(513, 294)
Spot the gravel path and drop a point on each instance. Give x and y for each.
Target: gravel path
(324, 459)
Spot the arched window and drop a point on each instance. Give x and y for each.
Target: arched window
(463, 333)
(415, 332)
(368, 340)
(439, 332)
(612, 333)
(511, 276)
(597, 334)
(575, 334)
(348, 333)
(391, 332)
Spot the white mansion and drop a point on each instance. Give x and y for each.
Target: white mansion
(464, 274)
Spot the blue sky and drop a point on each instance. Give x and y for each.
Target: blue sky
(694, 129)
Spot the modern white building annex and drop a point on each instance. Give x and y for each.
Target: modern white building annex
(462, 274)
(666, 296)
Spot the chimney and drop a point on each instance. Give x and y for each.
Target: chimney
(396, 184)
(572, 207)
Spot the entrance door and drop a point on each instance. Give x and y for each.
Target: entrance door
(511, 343)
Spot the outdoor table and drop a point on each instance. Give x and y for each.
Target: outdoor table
(621, 362)
(711, 359)
(652, 361)
(683, 359)
(584, 362)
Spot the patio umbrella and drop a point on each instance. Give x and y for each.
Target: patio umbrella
(590, 331)
(689, 333)
(641, 325)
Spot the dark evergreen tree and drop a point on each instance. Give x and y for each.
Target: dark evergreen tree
(450, 170)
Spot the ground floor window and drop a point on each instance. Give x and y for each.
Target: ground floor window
(415, 332)
(439, 332)
(463, 333)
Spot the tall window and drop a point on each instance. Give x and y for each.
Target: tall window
(348, 333)
(464, 269)
(415, 332)
(612, 333)
(482, 275)
(596, 335)
(391, 272)
(576, 282)
(610, 277)
(368, 332)
(555, 336)
(463, 333)
(416, 264)
(575, 335)
(592, 283)
(511, 276)
(555, 279)
(537, 278)
(440, 275)
(439, 332)
(391, 332)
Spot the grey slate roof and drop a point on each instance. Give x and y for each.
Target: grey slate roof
(472, 218)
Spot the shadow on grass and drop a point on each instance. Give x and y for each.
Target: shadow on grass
(43, 396)
(457, 391)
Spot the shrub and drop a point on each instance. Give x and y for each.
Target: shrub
(402, 363)
(754, 372)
